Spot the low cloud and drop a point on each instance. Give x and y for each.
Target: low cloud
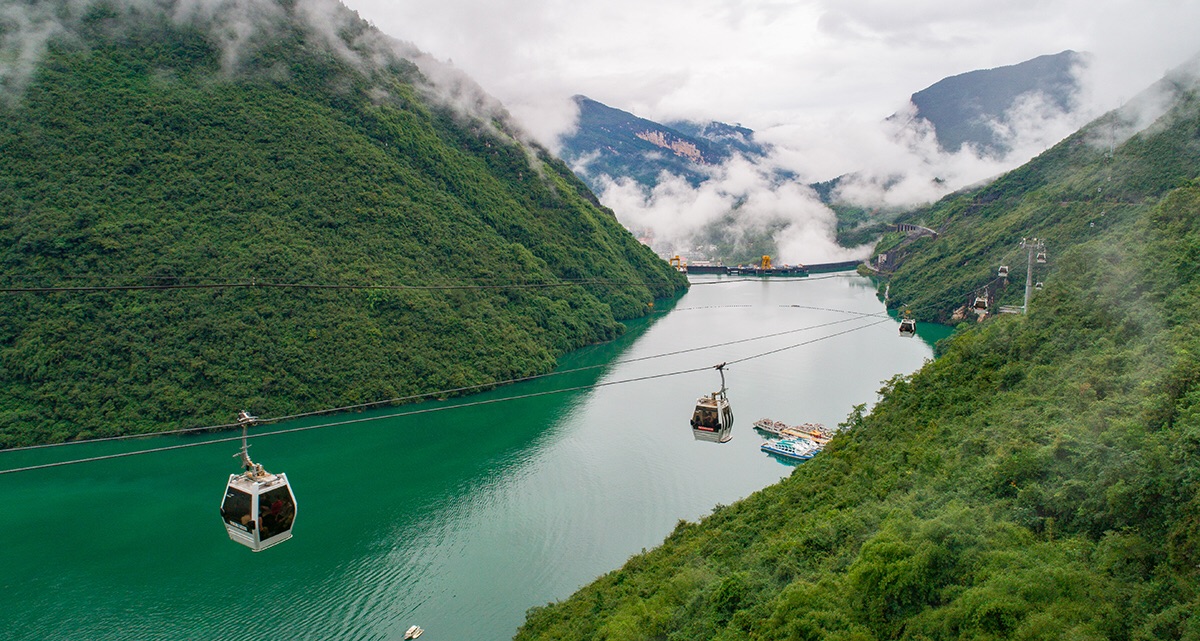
(25, 31)
(741, 201)
(898, 164)
(884, 166)
(236, 26)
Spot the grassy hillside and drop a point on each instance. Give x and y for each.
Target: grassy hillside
(139, 154)
(1038, 481)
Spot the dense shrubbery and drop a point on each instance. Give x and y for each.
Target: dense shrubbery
(1073, 193)
(132, 159)
(1040, 480)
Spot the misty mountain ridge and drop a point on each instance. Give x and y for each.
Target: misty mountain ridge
(732, 137)
(980, 113)
(978, 108)
(609, 142)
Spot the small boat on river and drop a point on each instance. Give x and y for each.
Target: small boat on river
(413, 632)
(796, 449)
(769, 426)
(812, 431)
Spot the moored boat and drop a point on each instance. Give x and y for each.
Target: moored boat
(812, 431)
(413, 632)
(769, 426)
(803, 431)
(791, 448)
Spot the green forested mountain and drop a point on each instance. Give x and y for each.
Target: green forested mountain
(153, 146)
(1040, 480)
(1100, 179)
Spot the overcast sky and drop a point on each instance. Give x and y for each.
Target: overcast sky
(814, 78)
(764, 63)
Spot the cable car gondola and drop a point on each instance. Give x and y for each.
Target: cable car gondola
(908, 326)
(712, 419)
(1003, 272)
(981, 302)
(259, 507)
(1041, 257)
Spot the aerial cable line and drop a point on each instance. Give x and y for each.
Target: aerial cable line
(427, 410)
(365, 419)
(492, 384)
(437, 393)
(555, 373)
(478, 386)
(809, 342)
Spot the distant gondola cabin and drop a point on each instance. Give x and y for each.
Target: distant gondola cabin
(712, 419)
(259, 508)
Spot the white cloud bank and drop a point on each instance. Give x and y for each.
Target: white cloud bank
(814, 78)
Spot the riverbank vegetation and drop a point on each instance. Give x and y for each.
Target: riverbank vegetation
(1038, 481)
(137, 154)
(1099, 180)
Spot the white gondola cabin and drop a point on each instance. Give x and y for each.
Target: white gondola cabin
(981, 303)
(258, 508)
(908, 327)
(1041, 257)
(712, 420)
(1003, 271)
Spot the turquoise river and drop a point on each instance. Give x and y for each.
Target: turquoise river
(459, 519)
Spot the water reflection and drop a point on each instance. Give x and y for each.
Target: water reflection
(458, 520)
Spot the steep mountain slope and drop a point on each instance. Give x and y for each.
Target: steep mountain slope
(972, 108)
(1099, 178)
(1038, 481)
(160, 145)
(615, 143)
(732, 138)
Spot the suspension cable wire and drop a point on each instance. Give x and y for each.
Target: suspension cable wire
(557, 373)
(124, 437)
(809, 342)
(493, 384)
(439, 393)
(479, 386)
(427, 410)
(365, 419)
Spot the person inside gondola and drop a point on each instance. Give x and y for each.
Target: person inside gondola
(271, 518)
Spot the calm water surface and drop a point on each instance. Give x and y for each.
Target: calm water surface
(457, 520)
